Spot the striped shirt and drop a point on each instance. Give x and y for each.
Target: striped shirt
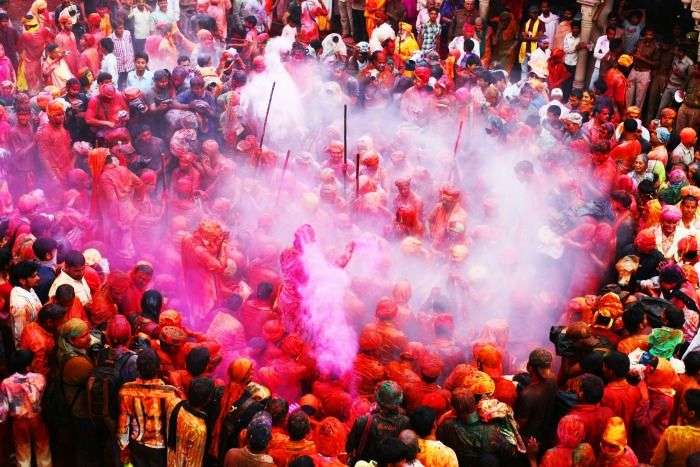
(124, 51)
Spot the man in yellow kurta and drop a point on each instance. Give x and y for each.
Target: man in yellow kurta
(407, 44)
(187, 428)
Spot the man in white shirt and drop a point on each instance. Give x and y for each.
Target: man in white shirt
(72, 274)
(109, 60)
(161, 14)
(550, 20)
(24, 302)
(141, 14)
(140, 77)
(468, 33)
(600, 51)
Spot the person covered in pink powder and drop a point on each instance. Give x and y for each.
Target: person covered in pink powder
(7, 71)
(310, 10)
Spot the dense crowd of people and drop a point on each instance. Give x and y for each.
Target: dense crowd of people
(325, 233)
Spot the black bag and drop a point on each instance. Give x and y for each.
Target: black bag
(55, 406)
(103, 388)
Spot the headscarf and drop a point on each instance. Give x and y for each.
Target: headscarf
(479, 383)
(54, 108)
(615, 433)
(330, 436)
(688, 136)
(570, 431)
(625, 60)
(239, 372)
(74, 327)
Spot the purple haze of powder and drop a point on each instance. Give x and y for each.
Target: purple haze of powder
(333, 340)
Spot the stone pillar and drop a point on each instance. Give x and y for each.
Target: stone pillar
(587, 10)
(483, 10)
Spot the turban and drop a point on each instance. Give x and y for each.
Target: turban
(688, 136)
(405, 27)
(386, 309)
(676, 176)
(479, 383)
(645, 241)
(370, 341)
(615, 433)
(610, 305)
(370, 158)
(423, 73)
(489, 359)
(570, 431)
(170, 318)
(330, 436)
(574, 117)
(172, 335)
(107, 90)
(74, 327)
(663, 134)
(240, 369)
(431, 366)
(273, 330)
(54, 109)
(118, 330)
(690, 190)
(625, 60)
(671, 214)
(388, 394)
(309, 400)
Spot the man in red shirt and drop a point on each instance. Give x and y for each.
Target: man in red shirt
(616, 81)
(102, 112)
(619, 395)
(592, 414)
(624, 153)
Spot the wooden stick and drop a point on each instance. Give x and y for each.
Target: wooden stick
(267, 113)
(357, 175)
(284, 170)
(345, 148)
(453, 175)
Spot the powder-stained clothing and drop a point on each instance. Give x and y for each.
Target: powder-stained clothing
(191, 437)
(435, 454)
(141, 420)
(675, 445)
(24, 308)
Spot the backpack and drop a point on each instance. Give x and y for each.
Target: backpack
(103, 387)
(55, 406)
